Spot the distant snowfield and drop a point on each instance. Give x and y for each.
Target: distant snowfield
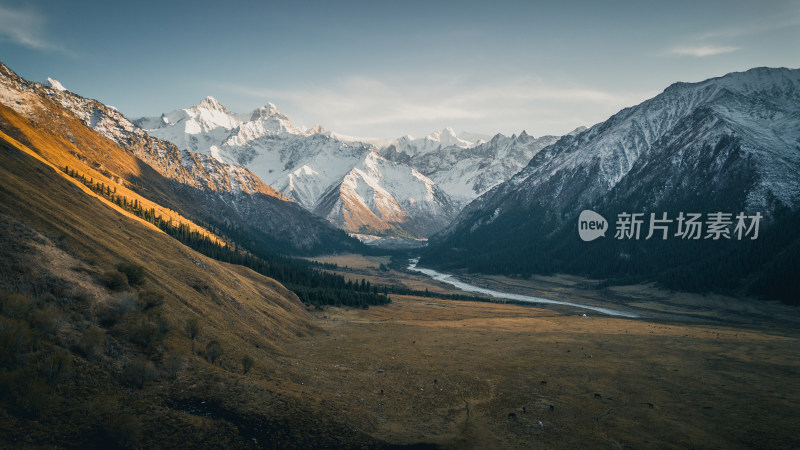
(451, 280)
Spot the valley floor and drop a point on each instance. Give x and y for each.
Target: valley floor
(486, 375)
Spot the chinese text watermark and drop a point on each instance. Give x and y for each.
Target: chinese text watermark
(688, 226)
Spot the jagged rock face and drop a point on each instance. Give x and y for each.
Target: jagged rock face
(467, 171)
(727, 144)
(348, 183)
(667, 134)
(364, 199)
(208, 189)
(411, 187)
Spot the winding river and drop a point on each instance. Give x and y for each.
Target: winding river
(453, 281)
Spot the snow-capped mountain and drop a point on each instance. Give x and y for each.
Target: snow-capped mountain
(437, 140)
(205, 127)
(348, 183)
(466, 170)
(366, 199)
(201, 187)
(728, 144)
(758, 107)
(55, 84)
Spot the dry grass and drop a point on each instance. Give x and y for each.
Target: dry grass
(418, 370)
(355, 267)
(69, 235)
(354, 261)
(86, 152)
(408, 371)
(718, 372)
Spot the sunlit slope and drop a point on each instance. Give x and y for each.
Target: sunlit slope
(240, 303)
(226, 198)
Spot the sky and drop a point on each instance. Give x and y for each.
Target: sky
(386, 69)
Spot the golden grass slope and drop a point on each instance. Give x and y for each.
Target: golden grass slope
(88, 153)
(55, 230)
(232, 299)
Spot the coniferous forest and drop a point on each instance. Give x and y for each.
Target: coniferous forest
(312, 285)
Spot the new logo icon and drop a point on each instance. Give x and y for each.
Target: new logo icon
(591, 225)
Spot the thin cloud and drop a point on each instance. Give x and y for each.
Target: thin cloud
(26, 28)
(369, 107)
(786, 19)
(701, 51)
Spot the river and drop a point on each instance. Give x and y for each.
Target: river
(453, 281)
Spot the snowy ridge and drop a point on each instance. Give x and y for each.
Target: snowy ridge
(348, 183)
(55, 84)
(435, 141)
(383, 187)
(210, 124)
(467, 171)
(209, 189)
(670, 137)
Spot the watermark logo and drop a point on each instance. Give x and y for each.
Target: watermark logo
(591, 225)
(686, 226)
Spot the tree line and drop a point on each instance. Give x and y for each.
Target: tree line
(311, 285)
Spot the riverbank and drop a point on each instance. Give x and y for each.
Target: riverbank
(467, 287)
(644, 300)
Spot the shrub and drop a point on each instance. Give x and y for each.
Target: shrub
(109, 314)
(133, 272)
(15, 338)
(247, 363)
(192, 328)
(25, 391)
(127, 302)
(213, 351)
(145, 333)
(16, 306)
(114, 280)
(44, 322)
(56, 367)
(150, 299)
(137, 372)
(112, 311)
(173, 364)
(163, 324)
(91, 342)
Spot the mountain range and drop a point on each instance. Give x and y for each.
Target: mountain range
(225, 197)
(465, 169)
(490, 204)
(409, 188)
(729, 144)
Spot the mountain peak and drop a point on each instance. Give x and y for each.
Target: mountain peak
(577, 131)
(768, 80)
(212, 103)
(446, 137)
(266, 111)
(445, 134)
(55, 84)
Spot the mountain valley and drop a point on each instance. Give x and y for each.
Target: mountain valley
(192, 280)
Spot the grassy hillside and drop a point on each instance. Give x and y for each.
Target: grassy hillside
(228, 199)
(97, 312)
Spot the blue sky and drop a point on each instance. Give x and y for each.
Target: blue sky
(385, 69)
